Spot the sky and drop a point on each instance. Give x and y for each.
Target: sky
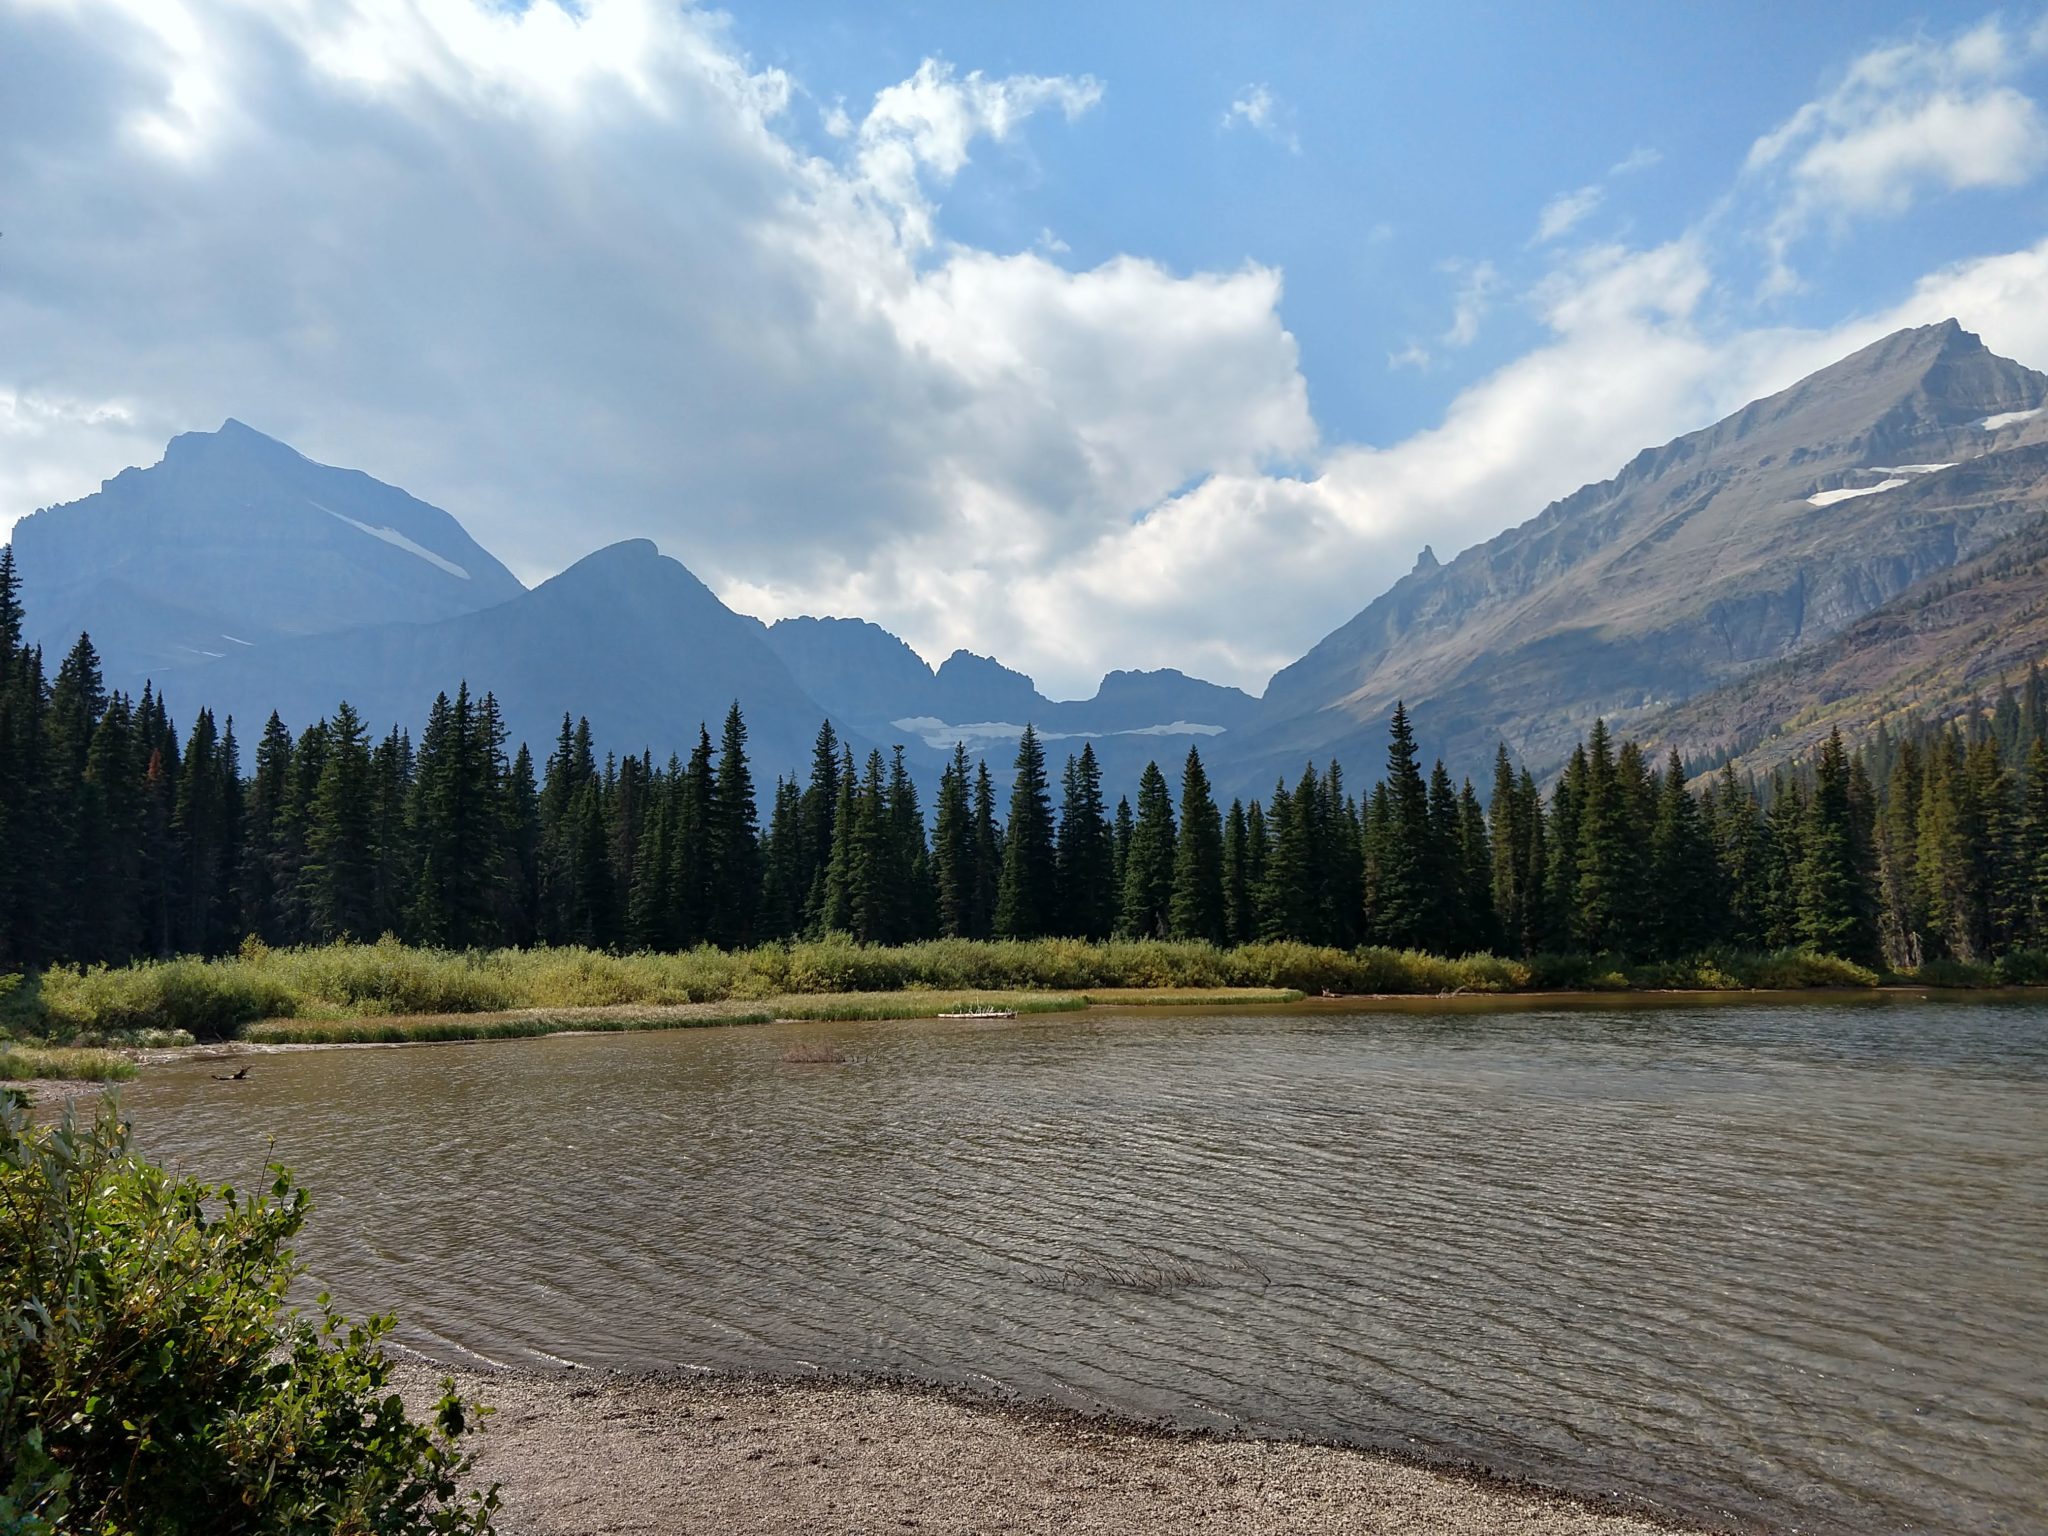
(1086, 336)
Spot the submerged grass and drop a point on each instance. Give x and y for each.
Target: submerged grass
(321, 990)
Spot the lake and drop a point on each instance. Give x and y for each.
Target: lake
(1772, 1262)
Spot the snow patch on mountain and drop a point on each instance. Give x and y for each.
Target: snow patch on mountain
(393, 536)
(2007, 418)
(1829, 498)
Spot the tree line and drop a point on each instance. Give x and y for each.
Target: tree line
(119, 840)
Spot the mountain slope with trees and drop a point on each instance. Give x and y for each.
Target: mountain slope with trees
(1723, 550)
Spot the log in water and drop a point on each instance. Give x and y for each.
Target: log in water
(1785, 1263)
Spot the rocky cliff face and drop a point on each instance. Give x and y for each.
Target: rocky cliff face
(1721, 551)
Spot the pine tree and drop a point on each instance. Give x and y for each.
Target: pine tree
(785, 875)
(1197, 903)
(1682, 869)
(1407, 913)
(2032, 854)
(953, 868)
(988, 853)
(820, 810)
(1027, 896)
(1240, 917)
(338, 854)
(1087, 858)
(1784, 858)
(1146, 911)
(1475, 873)
(846, 872)
(735, 840)
(1510, 854)
(201, 830)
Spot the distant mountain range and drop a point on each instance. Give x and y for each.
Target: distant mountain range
(1873, 538)
(238, 574)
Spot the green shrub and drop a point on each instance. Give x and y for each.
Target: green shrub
(1953, 973)
(2024, 968)
(153, 1382)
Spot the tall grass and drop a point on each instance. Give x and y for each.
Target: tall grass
(21, 1062)
(212, 999)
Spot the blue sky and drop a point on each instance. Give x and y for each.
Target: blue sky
(1086, 336)
(1404, 145)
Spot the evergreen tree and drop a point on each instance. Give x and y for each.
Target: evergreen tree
(1240, 918)
(2032, 856)
(1475, 873)
(1147, 906)
(1197, 904)
(953, 867)
(1682, 869)
(338, 872)
(1087, 857)
(735, 840)
(1027, 896)
(1406, 910)
(820, 810)
(988, 853)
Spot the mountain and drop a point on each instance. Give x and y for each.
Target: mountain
(1938, 648)
(870, 679)
(233, 541)
(1721, 551)
(627, 637)
(857, 670)
(238, 574)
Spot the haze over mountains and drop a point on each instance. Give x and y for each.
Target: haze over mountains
(240, 575)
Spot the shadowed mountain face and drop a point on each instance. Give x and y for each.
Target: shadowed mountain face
(1723, 550)
(235, 540)
(627, 637)
(239, 575)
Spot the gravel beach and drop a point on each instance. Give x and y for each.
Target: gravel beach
(594, 1455)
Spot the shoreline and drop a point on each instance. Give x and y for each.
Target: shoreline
(591, 1452)
(393, 1031)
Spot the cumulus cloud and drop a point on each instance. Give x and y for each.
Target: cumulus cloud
(571, 272)
(1256, 108)
(1905, 119)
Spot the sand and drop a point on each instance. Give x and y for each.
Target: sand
(599, 1453)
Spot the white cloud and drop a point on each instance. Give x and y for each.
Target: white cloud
(924, 127)
(1256, 107)
(1905, 120)
(1565, 210)
(569, 273)
(1639, 159)
(1478, 283)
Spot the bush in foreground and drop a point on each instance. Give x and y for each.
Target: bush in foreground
(153, 1381)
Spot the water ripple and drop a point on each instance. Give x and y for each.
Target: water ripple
(1781, 1264)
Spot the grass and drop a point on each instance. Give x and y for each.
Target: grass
(19, 1063)
(389, 991)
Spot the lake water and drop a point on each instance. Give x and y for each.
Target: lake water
(1773, 1263)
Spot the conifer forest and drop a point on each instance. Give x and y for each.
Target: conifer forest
(121, 838)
